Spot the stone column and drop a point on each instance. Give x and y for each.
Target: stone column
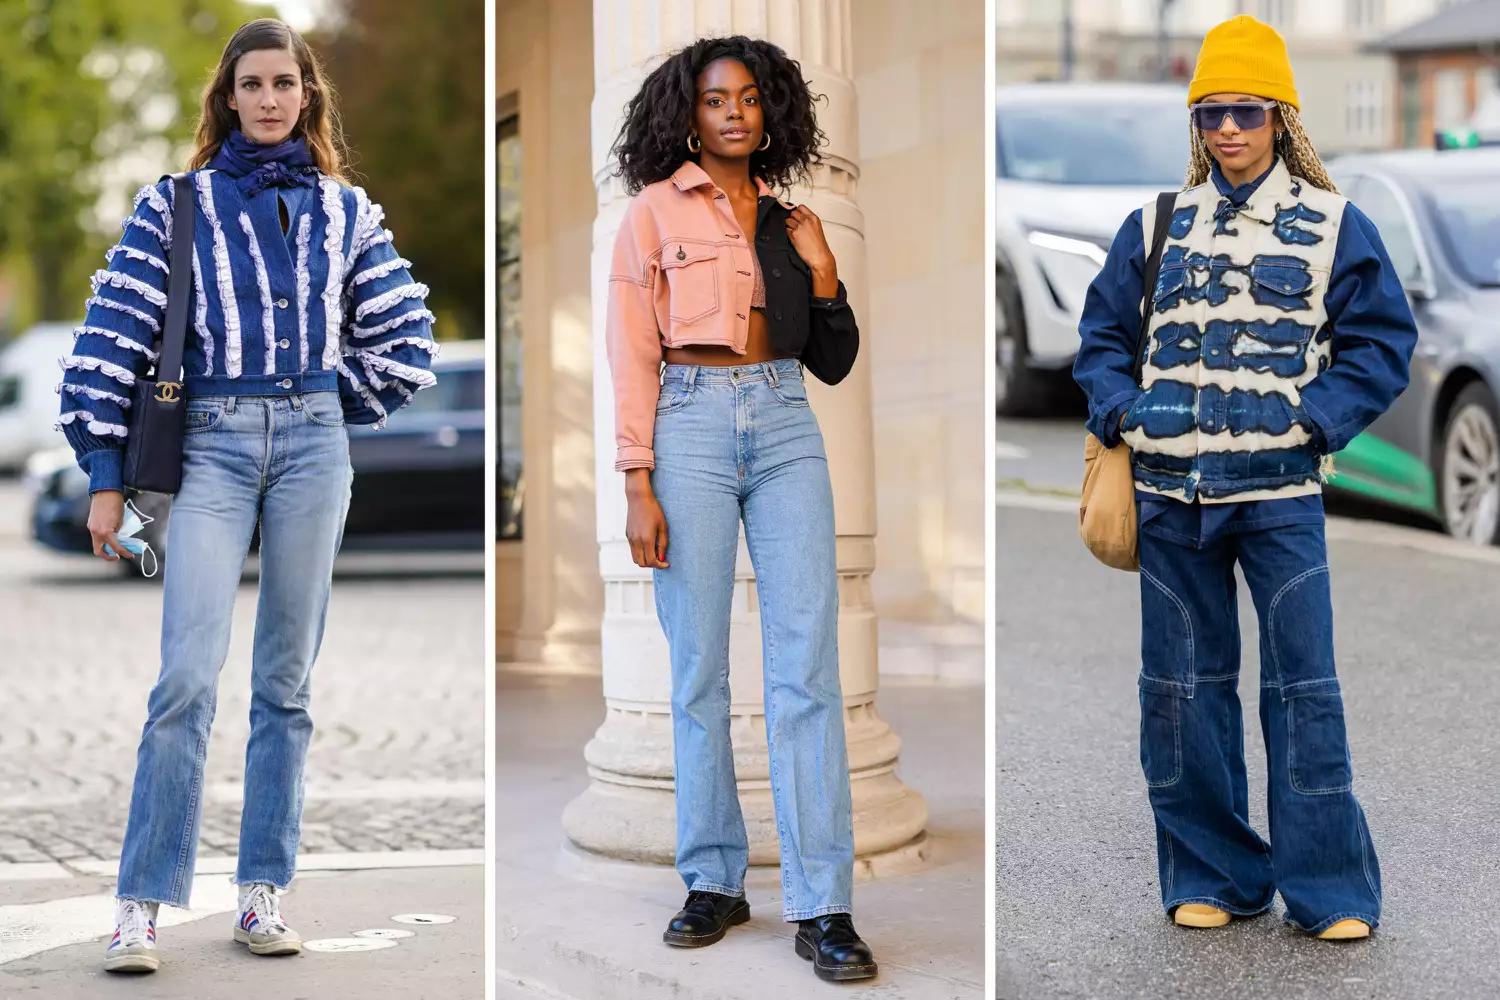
(627, 811)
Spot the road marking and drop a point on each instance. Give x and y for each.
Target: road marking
(423, 918)
(31, 928)
(324, 861)
(1341, 529)
(338, 946)
(1007, 452)
(32, 871)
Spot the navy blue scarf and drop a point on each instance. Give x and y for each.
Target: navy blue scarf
(255, 167)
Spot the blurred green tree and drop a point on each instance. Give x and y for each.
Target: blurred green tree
(88, 90)
(411, 84)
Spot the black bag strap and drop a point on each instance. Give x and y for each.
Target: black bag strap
(1166, 202)
(179, 283)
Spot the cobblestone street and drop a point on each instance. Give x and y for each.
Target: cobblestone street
(397, 761)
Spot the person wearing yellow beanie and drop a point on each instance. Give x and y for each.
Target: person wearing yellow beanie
(1258, 329)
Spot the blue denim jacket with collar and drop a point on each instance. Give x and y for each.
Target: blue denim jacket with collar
(1369, 321)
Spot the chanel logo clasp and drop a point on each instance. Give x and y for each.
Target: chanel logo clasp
(168, 392)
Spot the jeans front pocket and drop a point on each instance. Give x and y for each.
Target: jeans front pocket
(202, 415)
(790, 392)
(673, 396)
(1318, 751)
(324, 408)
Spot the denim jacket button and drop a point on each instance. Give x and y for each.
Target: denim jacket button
(281, 303)
(283, 343)
(286, 383)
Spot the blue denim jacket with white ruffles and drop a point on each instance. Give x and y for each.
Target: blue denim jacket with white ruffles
(327, 304)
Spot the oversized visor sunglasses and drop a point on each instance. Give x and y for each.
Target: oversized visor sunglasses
(1247, 115)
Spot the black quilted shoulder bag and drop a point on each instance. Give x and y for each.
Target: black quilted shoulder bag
(153, 452)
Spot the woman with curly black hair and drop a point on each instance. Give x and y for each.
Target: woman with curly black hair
(736, 291)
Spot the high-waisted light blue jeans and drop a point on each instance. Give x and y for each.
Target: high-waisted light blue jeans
(281, 462)
(737, 444)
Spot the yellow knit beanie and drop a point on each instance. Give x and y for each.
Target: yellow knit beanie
(1244, 56)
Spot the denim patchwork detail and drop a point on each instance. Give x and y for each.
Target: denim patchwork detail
(1182, 222)
(1289, 232)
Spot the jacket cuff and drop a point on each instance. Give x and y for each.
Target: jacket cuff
(105, 467)
(1106, 421)
(1324, 436)
(840, 298)
(634, 456)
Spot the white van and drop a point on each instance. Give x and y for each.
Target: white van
(29, 375)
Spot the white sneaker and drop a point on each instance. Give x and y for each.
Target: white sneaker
(133, 948)
(260, 924)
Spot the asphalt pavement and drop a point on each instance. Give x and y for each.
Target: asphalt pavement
(1079, 912)
(395, 771)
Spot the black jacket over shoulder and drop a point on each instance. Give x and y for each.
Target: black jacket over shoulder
(820, 332)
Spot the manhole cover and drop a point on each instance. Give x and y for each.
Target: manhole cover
(348, 944)
(385, 933)
(423, 918)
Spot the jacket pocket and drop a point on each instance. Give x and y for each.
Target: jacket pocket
(1282, 282)
(691, 270)
(1170, 283)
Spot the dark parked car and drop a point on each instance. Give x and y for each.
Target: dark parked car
(418, 483)
(1437, 450)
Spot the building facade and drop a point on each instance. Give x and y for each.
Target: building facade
(1350, 93)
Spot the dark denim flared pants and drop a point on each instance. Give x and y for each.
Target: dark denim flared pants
(1320, 856)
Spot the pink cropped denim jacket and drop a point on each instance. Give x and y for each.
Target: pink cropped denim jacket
(683, 274)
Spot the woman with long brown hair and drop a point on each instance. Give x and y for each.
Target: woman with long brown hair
(302, 318)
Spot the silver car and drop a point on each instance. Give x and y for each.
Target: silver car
(1437, 450)
(1072, 161)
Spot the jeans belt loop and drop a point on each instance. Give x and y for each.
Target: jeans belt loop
(689, 377)
(297, 401)
(772, 374)
(229, 404)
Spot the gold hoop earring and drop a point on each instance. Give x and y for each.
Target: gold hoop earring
(691, 147)
(765, 142)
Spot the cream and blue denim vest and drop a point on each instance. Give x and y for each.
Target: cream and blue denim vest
(1238, 327)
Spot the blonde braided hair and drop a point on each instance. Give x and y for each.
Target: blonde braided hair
(1297, 150)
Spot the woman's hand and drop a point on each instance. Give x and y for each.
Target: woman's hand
(805, 230)
(106, 514)
(645, 522)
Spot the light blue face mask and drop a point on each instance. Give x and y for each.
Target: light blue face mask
(134, 523)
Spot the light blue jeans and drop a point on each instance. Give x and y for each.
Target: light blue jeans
(733, 444)
(282, 462)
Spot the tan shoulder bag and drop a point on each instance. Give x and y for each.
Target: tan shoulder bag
(1106, 512)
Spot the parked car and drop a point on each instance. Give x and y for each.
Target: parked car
(1437, 450)
(28, 392)
(1072, 162)
(418, 483)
